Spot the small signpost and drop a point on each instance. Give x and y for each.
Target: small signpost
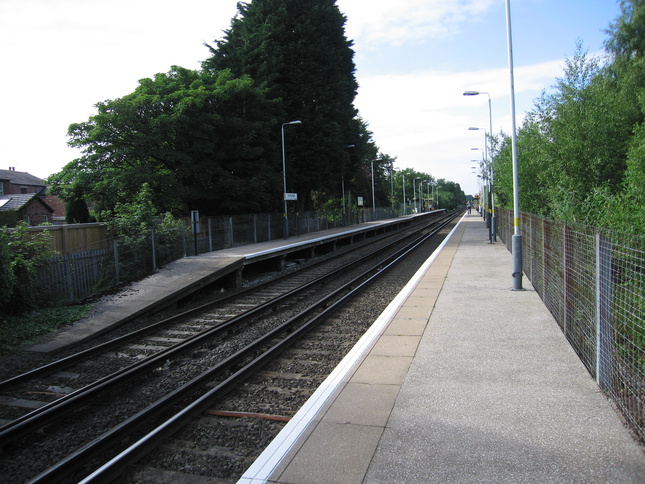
(194, 222)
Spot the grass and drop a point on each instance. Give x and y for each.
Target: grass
(20, 330)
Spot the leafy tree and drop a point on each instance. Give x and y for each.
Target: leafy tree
(626, 33)
(572, 149)
(298, 50)
(197, 138)
(76, 211)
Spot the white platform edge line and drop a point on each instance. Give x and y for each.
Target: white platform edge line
(268, 461)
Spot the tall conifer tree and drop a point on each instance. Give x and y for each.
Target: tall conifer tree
(298, 50)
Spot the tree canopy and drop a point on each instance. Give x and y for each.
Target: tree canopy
(580, 151)
(210, 139)
(298, 50)
(198, 139)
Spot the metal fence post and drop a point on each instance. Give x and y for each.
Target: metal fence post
(604, 290)
(210, 236)
(116, 261)
(183, 238)
(231, 234)
(154, 255)
(255, 229)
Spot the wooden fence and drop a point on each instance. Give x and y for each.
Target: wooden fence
(72, 238)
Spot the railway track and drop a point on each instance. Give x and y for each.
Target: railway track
(159, 378)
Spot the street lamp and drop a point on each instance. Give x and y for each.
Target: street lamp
(436, 191)
(516, 245)
(488, 169)
(392, 169)
(405, 208)
(342, 185)
(284, 180)
(373, 198)
(490, 140)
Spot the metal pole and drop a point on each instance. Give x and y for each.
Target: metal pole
(284, 181)
(414, 194)
(405, 209)
(492, 176)
(392, 182)
(373, 198)
(284, 191)
(516, 244)
(342, 186)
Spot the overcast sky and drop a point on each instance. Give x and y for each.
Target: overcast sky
(414, 60)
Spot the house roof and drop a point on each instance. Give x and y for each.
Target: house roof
(21, 178)
(13, 203)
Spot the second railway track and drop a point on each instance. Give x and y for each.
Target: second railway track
(180, 367)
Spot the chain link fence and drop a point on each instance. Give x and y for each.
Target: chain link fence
(593, 282)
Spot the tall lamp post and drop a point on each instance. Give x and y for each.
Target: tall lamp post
(284, 180)
(405, 208)
(516, 245)
(489, 174)
(490, 141)
(373, 197)
(392, 182)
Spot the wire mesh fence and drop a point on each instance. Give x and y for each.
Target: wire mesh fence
(593, 282)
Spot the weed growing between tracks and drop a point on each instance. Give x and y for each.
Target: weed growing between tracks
(17, 331)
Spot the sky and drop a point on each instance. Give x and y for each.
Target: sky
(414, 59)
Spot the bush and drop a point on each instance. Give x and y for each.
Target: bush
(20, 254)
(133, 224)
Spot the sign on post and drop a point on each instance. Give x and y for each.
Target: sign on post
(291, 196)
(194, 219)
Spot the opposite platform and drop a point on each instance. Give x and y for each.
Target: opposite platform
(460, 380)
(183, 277)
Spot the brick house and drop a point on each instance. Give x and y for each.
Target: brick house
(23, 197)
(28, 207)
(20, 182)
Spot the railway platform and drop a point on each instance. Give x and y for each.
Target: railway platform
(460, 380)
(183, 277)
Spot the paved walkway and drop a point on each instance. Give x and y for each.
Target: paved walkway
(461, 380)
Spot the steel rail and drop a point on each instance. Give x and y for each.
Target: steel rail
(116, 342)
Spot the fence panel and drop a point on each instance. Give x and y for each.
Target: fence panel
(593, 282)
(73, 277)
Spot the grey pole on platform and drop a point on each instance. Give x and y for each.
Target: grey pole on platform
(284, 181)
(516, 245)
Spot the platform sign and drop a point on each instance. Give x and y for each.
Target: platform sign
(194, 219)
(360, 201)
(291, 196)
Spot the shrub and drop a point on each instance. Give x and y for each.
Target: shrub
(20, 254)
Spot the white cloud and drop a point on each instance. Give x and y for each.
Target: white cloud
(376, 22)
(423, 118)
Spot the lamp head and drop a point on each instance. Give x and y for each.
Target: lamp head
(471, 93)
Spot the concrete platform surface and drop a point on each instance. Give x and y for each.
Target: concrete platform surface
(460, 381)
